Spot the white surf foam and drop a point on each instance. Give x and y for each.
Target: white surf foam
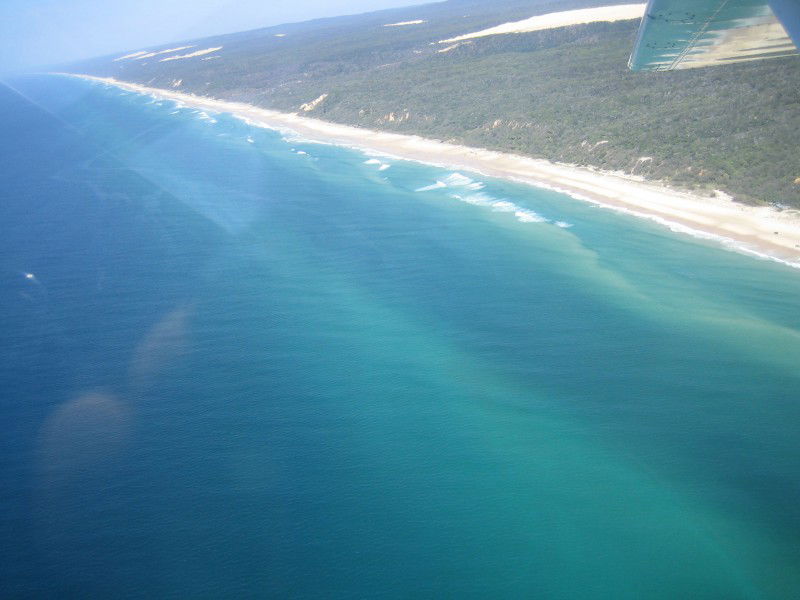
(206, 117)
(504, 206)
(458, 180)
(528, 216)
(291, 137)
(474, 199)
(523, 215)
(436, 186)
(382, 166)
(722, 240)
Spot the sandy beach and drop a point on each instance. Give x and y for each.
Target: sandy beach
(761, 231)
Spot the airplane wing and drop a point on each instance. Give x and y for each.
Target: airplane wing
(682, 34)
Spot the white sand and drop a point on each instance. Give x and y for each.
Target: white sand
(131, 55)
(156, 53)
(309, 106)
(192, 54)
(404, 23)
(619, 12)
(453, 46)
(762, 231)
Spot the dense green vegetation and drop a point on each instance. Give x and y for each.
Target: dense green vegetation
(563, 94)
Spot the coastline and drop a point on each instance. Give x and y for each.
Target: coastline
(760, 231)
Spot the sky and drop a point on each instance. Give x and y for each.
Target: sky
(42, 32)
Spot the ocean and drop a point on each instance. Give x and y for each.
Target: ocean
(235, 363)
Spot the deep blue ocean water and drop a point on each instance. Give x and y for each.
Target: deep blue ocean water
(235, 364)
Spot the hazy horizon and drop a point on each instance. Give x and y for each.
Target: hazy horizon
(82, 30)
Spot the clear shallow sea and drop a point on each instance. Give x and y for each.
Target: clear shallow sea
(233, 364)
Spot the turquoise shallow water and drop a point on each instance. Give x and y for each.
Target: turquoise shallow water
(237, 364)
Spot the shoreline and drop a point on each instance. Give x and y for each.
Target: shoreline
(758, 231)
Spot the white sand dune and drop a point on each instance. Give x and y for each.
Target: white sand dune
(309, 106)
(619, 12)
(167, 51)
(453, 46)
(142, 54)
(762, 231)
(192, 54)
(131, 55)
(404, 23)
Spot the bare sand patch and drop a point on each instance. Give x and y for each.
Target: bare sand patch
(192, 54)
(619, 12)
(404, 23)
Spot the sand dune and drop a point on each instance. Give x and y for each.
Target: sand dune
(404, 23)
(582, 16)
(192, 54)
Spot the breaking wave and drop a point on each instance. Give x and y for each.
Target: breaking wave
(458, 180)
(523, 215)
(206, 117)
(436, 186)
(382, 166)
